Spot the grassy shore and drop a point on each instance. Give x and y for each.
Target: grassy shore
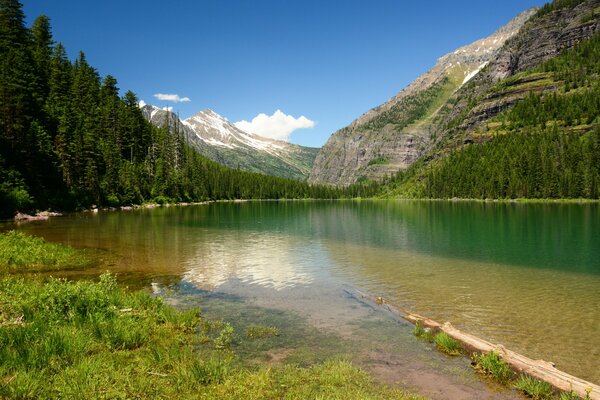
(84, 339)
(20, 252)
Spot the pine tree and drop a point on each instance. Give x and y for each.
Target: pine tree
(42, 53)
(18, 146)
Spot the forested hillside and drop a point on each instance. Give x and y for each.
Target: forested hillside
(69, 140)
(545, 144)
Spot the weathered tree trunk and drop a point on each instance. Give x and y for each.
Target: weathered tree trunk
(539, 369)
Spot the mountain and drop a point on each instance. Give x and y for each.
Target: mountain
(392, 136)
(528, 124)
(214, 137)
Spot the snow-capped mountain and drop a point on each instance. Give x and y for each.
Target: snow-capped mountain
(218, 131)
(216, 138)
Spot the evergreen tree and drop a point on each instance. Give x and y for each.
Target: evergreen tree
(68, 140)
(42, 53)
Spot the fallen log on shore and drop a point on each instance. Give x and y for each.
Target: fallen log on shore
(539, 369)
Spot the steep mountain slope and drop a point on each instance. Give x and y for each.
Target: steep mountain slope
(392, 136)
(216, 138)
(558, 26)
(528, 125)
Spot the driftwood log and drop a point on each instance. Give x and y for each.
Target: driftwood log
(539, 369)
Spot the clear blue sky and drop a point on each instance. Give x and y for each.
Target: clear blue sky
(327, 60)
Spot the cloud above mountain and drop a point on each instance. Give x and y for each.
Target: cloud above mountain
(277, 126)
(172, 97)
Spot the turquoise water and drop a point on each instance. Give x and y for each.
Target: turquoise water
(523, 275)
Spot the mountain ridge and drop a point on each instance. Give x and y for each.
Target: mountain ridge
(214, 137)
(528, 125)
(393, 135)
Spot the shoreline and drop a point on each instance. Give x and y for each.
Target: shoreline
(497, 201)
(545, 371)
(20, 217)
(233, 201)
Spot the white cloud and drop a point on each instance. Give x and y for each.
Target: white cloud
(171, 97)
(141, 103)
(277, 126)
(168, 108)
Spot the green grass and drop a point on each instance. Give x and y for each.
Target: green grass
(534, 388)
(492, 365)
(379, 161)
(423, 333)
(446, 344)
(571, 396)
(261, 331)
(330, 380)
(61, 339)
(20, 252)
(412, 108)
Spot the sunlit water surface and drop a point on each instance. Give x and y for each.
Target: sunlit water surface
(523, 275)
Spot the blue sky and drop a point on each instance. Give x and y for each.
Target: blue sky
(329, 61)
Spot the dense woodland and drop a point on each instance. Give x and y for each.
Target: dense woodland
(546, 146)
(69, 140)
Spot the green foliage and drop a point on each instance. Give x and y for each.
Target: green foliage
(556, 5)
(112, 200)
(546, 146)
(491, 364)
(570, 396)
(68, 140)
(534, 388)
(379, 161)
(446, 344)
(577, 67)
(409, 109)
(20, 252)
(84, 339)
(566, 110)
(261, 331)
(225, 338)
(538, 163)
(210, 371)
(423, 333)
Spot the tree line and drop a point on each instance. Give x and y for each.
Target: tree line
(69, 140)
(547, 145)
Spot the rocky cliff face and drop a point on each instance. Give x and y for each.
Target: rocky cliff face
(216, 138)
(543, 37)
(392, 136)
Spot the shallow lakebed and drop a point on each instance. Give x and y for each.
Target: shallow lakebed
(523, 275)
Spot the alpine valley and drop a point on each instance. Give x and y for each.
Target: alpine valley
(147, 256)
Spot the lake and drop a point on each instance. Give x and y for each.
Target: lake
(523, 275)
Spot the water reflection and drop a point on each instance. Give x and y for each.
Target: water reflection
(265, 259)
(525, 275)
(557, 236)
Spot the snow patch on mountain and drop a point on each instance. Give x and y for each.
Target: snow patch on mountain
(472, 74)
